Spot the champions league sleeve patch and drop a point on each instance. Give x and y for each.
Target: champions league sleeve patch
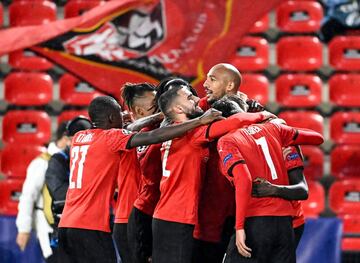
(293, 156)
(227, 158)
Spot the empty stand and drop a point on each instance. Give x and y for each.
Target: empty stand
(24, 13)
(304, 119)
(16, 158)
(344, 90)
(299, 53)
(351, 224)
(10, 191)
(299, 17)
(345, 161)
(350, 244)
(298, 90)
(344, 196)
(261, 25)
(256, 86)
(315, 204)
(71, 114)
(313, 162)
(76, 92)
(345, 127)
(252, 54)
(28, 88)
(26, 126)
(27, 60)
(77, 7)
(344, 52)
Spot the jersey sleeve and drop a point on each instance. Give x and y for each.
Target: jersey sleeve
(199, 135)
(293, 157)
(287, 134)
(118, 139)
(229, 154)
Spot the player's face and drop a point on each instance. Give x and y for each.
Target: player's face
(215, 84)
(116, 117)
(145, 105)
(188, 102)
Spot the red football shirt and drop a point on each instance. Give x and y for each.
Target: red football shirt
(260, 147)
(150, 164)
(293, 159)
(94, 165)
(128, 182)
(183, 164)
(204, 104)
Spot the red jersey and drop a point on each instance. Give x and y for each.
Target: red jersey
(204, 104)
(217, 201)
(260, 147)
(128, 182)
(150, 164)
(94, 165)
(183, 164)
(293, 159)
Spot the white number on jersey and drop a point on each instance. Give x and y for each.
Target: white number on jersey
(75, 153)
(166, 146)
(265, 149)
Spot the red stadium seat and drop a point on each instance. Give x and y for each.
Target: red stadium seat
(299, 53)
(344, 52)
(1, 15)
(299, 17)
(26, 126)
(345, 127)
(25, 13)
(344, 196)
(27, 60)
(10, 191)
(16, 158)
(313, 162)
(261, 25)
(28, 88)
(351, 223)
(350, 244)
(252, 54)
(256, 86)
(345, 161)
(298, 90)
(304, 119)
(315, 204)
(344, 90)
(75, 92)
(77, 7)
(71, 114)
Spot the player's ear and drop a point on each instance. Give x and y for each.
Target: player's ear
(230, 87)
(178, 109)
(138, 111)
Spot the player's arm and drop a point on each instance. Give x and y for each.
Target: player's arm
(236, 121)
(170, 132)
(145, 122)
(299, 136)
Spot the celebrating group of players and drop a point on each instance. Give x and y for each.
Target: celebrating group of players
(192, 186)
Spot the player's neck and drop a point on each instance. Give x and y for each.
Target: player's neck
(179, 118)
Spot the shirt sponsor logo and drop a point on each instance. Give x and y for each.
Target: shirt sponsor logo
(227, 158)
(293, 156)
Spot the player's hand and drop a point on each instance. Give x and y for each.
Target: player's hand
(22, 240)
(240, 243)
(210, 115)
(254, 106)
(262, 188)
(268, 115)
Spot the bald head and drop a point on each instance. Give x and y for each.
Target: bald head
(230, 72)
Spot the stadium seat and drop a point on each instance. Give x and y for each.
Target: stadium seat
(344, 52)
(344, 196)
(344, 90)
(298, 90)
(28, 88)
(71, 114)
(351, 223)
(256, 86)
(313, 162)
(345, 127)
(75, 92)
(315, 204)
(26, 126)
(252, 54)
(27, 60)
(77, 7)
(261, 25)
(16, 158)
(351, 244)
(304, 119)
(25, 13)
(10, 191)
(1, 15)
(299, 53)
(299, 17)
(345, 161)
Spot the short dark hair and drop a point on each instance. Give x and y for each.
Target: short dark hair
(61, 130)
(167, 98)
(228, 105)
(78, 124)
(238, 100)
(100, 108)
(131, 91)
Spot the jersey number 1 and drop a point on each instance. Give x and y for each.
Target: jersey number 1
(265, 149)
(76, 152)
(166, 145)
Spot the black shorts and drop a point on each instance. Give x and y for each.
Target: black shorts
(172, 242)
(298, 231)
(83, 245)
(271, 239)
(121, 241)
(139, 231)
